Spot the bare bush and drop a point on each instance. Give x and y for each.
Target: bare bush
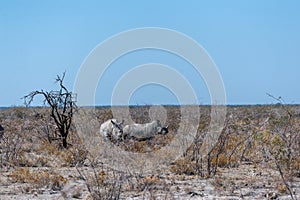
(62, 107)
(11, 148)
(281, 142)
(102, 183)
(194, 162)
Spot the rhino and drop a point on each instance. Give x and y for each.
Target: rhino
(111, 129)
(144, 131)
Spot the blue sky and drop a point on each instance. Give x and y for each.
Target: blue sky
(255, 45)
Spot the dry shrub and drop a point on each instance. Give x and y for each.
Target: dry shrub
(52, 154)
(141, 183)
(235, 144)
(103, 114)
(148, 185)
(17, 113)
(184, 166)
(77, 153)
(136, 146)
(11, 147)
(102, 183)
(223, 160)
(296, 165)
(151, 180)
(38, 179)
(23, 137)
(48, 148)
(220, 183)
(73, 157)
(282, 188)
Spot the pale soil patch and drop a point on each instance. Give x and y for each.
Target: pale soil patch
(245, 182)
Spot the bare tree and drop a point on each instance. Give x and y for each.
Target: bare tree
(1, 132)
(62, 107)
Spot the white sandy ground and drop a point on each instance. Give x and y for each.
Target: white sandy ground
(245, 182)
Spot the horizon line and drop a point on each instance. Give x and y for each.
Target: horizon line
(136, 105)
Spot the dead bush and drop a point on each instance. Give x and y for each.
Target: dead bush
(38, 179)
(102, 183)
(11, 147)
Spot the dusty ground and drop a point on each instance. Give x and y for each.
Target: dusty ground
(32, 168)
(246, 182)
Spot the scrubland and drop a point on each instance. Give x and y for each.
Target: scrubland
(256, 156)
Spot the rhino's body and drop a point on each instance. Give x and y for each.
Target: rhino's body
(144, 131)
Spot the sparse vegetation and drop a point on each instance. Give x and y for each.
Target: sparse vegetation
(256, 156)
(37, 179)
(102, 182)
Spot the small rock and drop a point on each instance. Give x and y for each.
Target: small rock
(73, 189)
(192, 194)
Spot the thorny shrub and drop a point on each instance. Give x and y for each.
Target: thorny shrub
(102, 183)
(38, 179)
(10, 149)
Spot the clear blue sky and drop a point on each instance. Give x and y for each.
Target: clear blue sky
(255, 44)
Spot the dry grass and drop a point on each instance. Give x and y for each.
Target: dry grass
(264, 136)
(38, 179)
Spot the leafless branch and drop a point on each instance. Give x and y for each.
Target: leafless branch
(62, 107)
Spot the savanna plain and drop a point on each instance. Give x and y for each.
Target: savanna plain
(256, 156)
